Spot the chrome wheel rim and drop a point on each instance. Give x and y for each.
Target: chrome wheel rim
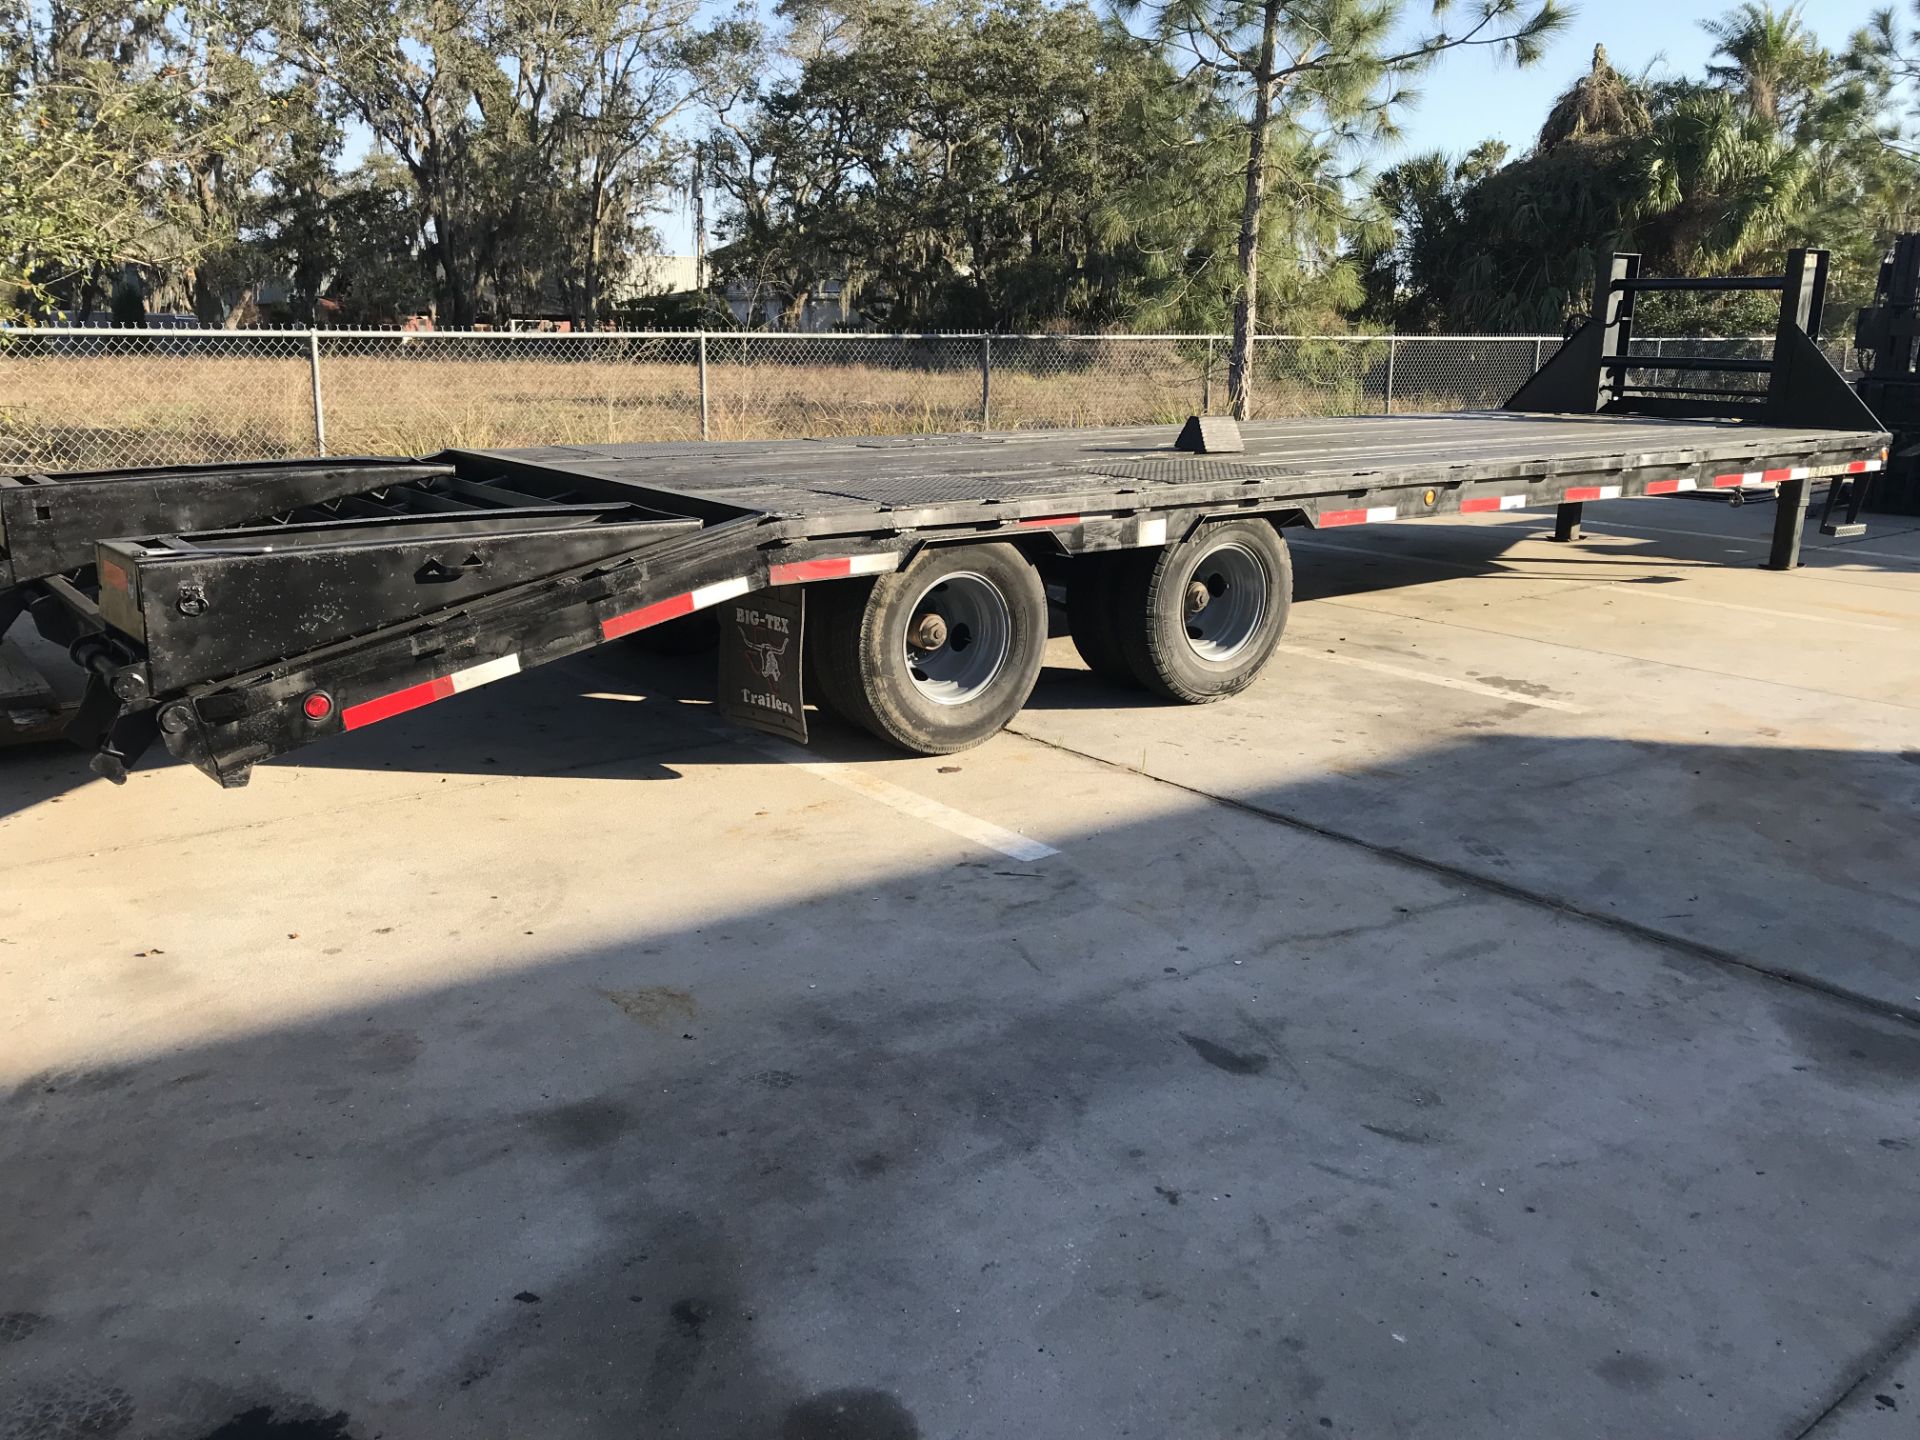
(959, 634)
(1225, 600)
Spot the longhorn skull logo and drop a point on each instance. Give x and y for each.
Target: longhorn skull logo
(767, 656)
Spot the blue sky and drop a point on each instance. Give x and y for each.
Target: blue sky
(1468, 98)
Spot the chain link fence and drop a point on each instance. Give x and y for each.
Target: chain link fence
(402, 393)
(93, 399)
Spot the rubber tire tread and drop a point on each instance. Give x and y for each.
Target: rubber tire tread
(833, 607)
(860, 680)
(1149, 609)
(1090, 618)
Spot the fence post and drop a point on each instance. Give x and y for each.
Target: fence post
(986, 382)
(1392, 345)
(319, 409)
(1206, 381)
(1537, 343)
(705, 428)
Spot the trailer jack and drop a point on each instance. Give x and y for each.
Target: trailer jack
(118, 732)
(1853, 491)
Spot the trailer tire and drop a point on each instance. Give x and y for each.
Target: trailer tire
(1199, 619)
(926, 697)
(1090, 617)
(821, 613)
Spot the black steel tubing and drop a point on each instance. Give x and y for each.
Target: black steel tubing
(1703, 282)
(1698, 390)
(1693, 362)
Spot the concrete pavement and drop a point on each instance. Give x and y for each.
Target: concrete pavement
(1497, 1022)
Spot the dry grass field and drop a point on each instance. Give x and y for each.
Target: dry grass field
(81, 402)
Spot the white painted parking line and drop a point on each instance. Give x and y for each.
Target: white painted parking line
(1657, 593)
(1389, 552)
(1449, 682)
(1661, 594)
(1010, 843)
(1845, 549)
(1670, 530)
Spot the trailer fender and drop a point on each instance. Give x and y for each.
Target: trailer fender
(1281, 517)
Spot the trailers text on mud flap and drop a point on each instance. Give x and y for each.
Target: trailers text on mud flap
(760, 663)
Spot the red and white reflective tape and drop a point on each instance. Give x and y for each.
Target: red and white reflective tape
(1577, 493)
(1048, 522)
(838, 568)
(1372, 515)
(385, 707)
(661, 611)
(1672, 487)
(1861, 467)
(1777, 477)
(1150, 530)
(1474, 504)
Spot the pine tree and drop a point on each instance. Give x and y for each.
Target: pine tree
(1318, 73)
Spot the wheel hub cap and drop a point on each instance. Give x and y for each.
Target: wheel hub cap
(929, 632)
(1225, 601)
(959, 638)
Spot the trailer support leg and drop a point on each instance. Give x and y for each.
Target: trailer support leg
(1566, 521)
(1789, 524)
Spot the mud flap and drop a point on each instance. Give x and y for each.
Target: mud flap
(760, 639)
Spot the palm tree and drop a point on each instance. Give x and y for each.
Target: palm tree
(1770, 61)
(1718, 185)
(1601, 103)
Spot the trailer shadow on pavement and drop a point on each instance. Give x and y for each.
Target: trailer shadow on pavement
(39, 774)
(554, 721)
(549, 1108)
(1793, 857)
(1679, 536)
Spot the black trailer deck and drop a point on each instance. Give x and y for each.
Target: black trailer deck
(241, 611)
(1317, 466)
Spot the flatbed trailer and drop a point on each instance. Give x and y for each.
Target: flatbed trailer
(239, 612)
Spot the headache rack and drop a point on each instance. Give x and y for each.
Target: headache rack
(1595, 372)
